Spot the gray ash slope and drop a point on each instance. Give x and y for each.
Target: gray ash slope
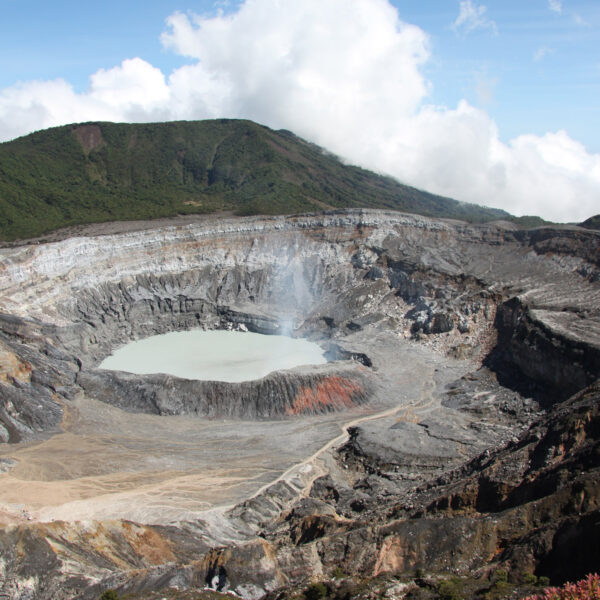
(378, 289)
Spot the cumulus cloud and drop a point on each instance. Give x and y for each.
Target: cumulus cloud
(555, 6)
(327, 61)
(346, 74)
(472, 16)
(133, 85)
(132, 91)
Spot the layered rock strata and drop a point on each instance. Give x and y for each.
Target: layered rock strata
(281, 394)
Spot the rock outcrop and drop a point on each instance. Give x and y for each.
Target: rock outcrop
(280, 394)
(532, 506)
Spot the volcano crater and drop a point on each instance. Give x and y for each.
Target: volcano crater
(444, 340)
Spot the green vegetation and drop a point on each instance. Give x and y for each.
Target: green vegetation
(529, 222)
(592, 222)
(316, 591)
(450, 589)
(109, 595)
(529, 579)
(501, 576)
(494, 586)
(174, 594)
(96, 172)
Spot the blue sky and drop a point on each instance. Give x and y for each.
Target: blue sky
(541, 68)
(505, 68)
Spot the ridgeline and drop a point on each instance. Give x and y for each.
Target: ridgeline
(592, 222)
(97, 172)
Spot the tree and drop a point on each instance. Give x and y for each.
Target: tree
(315, 591)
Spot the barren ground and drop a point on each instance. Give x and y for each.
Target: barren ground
(155, 469)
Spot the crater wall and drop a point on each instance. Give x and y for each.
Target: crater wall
(66, 305)
(309, 390)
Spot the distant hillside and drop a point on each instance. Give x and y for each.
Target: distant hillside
(97, 172)
(592, 222)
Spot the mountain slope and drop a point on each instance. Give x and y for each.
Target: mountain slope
(592, 222)
(97, 172)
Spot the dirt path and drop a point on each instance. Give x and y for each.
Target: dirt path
(425, 400)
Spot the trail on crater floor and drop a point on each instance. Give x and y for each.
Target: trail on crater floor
(425, 401)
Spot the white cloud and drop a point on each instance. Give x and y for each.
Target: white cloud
(133, 91)
(555, 6)
(484, 88)
(472, 16)
(134, 84)
(579, 20)
(346, 74)
(542, 52)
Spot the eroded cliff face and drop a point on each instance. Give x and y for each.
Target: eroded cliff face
(532, 506)
(377, 290)
(324, 274)
(280, 394)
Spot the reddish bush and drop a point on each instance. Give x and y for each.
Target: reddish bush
(586, 589)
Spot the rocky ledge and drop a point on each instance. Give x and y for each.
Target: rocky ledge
(301, 391)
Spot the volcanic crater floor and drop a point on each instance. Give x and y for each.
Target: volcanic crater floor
(111, 464)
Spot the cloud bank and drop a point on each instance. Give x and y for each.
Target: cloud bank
(346, 74)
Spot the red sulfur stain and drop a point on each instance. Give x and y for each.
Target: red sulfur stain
(333, 392)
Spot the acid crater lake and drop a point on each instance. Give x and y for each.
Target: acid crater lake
(230, 356)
